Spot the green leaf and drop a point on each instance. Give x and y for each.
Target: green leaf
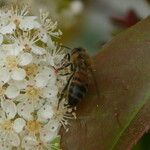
(117, 117)
(55, 143)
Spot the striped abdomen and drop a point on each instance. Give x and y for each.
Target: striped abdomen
(78, 88)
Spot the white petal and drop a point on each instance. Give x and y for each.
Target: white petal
(43, 36)
(12, 49)
(18, 74)
(21, 98)
(41, 80)
(47, 136)
(8, 29)
(36, 24)
(25, 59)
(28, 23)
(38, 103)
(12, 91)
(50, 44)
(53, 126)
(5, 146)
(21, 84)
(4, 75)
(29, 141)
(25, 109)
(38, 50)
(14, 139)
(49, 73)
(10, 108)
(19, 124)
(1, 39)
(46, 112)
(50, 91)
(50, 59)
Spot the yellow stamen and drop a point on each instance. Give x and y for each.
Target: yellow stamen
(32, 92)
(34, 126)
(7, 125)
(11, 62)
(31, 69)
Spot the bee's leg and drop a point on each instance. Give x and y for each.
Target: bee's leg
(68, 73)
(67, 56)
(65, 74)
(72, 67)
(65, 88)
(66, 47)
(65, 66)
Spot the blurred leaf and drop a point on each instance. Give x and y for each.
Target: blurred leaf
(62, 5)
(130, 19)
(120, 115)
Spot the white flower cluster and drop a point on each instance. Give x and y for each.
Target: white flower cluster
(30, 85)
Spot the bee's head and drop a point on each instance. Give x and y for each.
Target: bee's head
(78, 53)
(80, 56)
(78, 50)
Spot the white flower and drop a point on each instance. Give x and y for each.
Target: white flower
(16, 17)
(33, 99)
(7, 73)
(33, 143)
(45, 77)
(14, 88)
(9, 130)
(46, 133)
(27, 43)
(11, 66)
(32, 77)
(48, 28)
(4, 15)
(9, 107)
(30, 101)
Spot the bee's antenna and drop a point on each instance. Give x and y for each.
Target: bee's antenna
(66, 47)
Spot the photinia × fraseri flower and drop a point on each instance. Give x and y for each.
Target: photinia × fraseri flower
(32, 110)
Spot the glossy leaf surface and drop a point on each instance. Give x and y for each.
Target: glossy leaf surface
(120, 115)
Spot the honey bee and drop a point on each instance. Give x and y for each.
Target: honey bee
(78, 83)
